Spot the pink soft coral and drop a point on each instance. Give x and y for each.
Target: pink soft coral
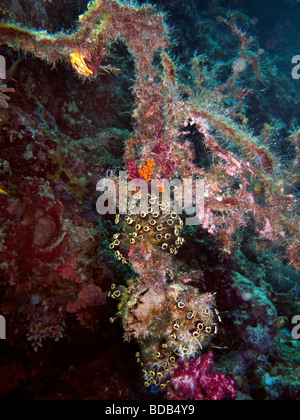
(194, 380)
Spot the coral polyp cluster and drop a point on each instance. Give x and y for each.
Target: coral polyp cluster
(146, 171)
(155, 225)
(77, 61)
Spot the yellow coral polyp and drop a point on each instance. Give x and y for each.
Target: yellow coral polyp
(77, 61)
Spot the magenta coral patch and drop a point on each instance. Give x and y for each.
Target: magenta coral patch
(194, 380)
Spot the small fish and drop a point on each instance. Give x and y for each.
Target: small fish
(3, 192)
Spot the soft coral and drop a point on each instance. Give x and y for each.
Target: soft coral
(194, 380)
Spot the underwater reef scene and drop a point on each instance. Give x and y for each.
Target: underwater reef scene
(141, 304)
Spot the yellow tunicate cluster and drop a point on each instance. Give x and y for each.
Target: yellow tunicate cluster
(172, 323)
(159, 228)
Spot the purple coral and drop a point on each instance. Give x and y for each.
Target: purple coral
(194, 380)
